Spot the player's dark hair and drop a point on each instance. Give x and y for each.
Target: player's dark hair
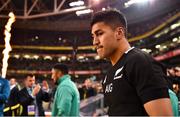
(111, 17)
(61, 67)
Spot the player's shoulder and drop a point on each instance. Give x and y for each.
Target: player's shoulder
(136, 55)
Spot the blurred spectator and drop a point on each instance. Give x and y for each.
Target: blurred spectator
(87, 90)
(45, 87)
(12, 106)
(174, 74)
(177, 90)
(177, 71)
(4, 93)
(98, 87)
(31, 97)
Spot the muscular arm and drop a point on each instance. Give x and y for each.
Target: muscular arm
(159, 107)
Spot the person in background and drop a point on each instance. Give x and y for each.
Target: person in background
(177, 71)
(66, 99)
(12, 106)
(45, 87)
(87, 90)
(135, 85)
(31, 97)
(4, 93)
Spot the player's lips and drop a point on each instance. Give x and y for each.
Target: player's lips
(99, 47)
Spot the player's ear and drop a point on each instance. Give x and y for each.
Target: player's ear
(119, 32)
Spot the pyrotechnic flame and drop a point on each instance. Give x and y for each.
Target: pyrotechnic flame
(7, 43)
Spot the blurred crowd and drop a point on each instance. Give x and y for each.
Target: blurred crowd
(146, 26)
(18, 99)
(173, 75)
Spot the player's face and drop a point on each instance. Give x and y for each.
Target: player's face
(56, 74)
(104, 39)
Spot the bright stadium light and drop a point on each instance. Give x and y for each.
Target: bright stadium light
(130, 2)
(82, 12)
(63, 58)
(146, 50)
(27, 56)
(16, 56)
(175, 25)
(80, 57)
(164, 47)
(47, 58)
(175, 39)
(103, 9)
(35, 56)
(157, 46)
(76, 3)
(97, 57)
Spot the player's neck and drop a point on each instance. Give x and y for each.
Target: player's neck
(119, 53)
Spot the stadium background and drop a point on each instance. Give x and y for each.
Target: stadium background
(51, 31)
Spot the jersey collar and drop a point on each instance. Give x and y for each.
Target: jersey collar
(129, 50)
(63, 78)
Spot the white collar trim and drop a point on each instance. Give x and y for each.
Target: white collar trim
(129, 50)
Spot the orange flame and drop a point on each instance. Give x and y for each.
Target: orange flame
(7, 43)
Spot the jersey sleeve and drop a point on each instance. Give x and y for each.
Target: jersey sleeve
(147, 77)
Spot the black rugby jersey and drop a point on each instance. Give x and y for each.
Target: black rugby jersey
(134, 80)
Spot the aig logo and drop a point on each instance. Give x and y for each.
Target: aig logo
(109, 88)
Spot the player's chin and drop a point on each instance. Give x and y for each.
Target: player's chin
(101, 56)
